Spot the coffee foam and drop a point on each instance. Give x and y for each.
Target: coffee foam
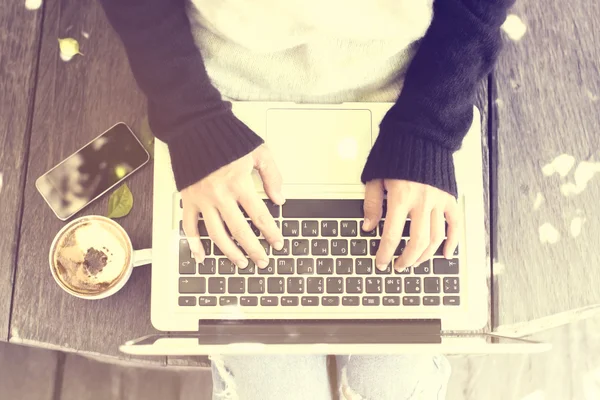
(91, 237)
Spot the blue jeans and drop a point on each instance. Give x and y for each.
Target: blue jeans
(381, 377)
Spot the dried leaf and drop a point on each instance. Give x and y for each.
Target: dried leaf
(120, 202)
(69, 48)
(147, 137)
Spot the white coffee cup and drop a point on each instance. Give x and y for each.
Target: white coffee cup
(92, 257)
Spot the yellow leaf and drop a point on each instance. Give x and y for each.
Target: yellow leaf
(69, 48)
(120, 202)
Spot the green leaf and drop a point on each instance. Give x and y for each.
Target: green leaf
(120, 202)
(147, 137)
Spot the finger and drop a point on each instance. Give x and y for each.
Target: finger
(437, 235)
(373, 206)
(392, 229)
(420, 233)
(190, 227)
(241, 231)
(270, 175)
(454, 228)
(262, 218)
(217, 232)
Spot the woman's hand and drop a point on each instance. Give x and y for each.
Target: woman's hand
(426, 206)
(218, 197)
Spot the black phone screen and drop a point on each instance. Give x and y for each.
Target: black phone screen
(94, 169)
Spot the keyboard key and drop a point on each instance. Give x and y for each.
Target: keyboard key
(187, 265)
(216, 285)
(374, 246)
(265, 245)
(349, 229)
(335, 285)
(364, 266)
(412, 285)
(228, 301)
(330, 301)
(324, 266)
(295, 285)
(310, 301)
(256, 285)
(451, 285)
(339, 247)
(300, 247)
(431, 301)
(207, 244)
(323, 208)
(405, 231)
(329, 228)
(370, 301)
(343, 266)
(290, 228)
(442, 266)
(451, 300)
(269, 269)
(440, 250)
(411, 300)
(310, 228)
(400, 249)
(305, 266)
(254, 228)
(358, 247)
(432, 285)
(373, 285)
(249, 270)
(186, 301)
(393, 285)
(285, 250)
(319, 247)
(272, 207)
(350, 300)
(217, 250)
(275, 285)
(391, 300)
(404, 271)
(268, 301)
(239, 246)
(236, 285)
(249, 301)
(423, 268)
(226, 267)
(285, 266)
(192, 285)
(314, 285)
(372, 233)
(207, 301)
(354, 285)
(386, 271)
(202, 229)
(290, 301)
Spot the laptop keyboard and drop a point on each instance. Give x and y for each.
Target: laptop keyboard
(326, 260)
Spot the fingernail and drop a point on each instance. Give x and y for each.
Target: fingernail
(366, 224)
(381, 267)
(199, 259)
(278, 245)
(280, 199)
(241, 263)
(262, 263)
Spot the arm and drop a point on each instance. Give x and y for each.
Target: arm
(435, 109)
(185, 110)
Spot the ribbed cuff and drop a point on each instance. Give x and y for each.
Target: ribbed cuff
(211, 145)
(411, 158)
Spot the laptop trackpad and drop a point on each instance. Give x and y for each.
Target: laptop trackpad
(319, 146)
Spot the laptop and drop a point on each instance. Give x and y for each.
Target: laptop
(321, 294)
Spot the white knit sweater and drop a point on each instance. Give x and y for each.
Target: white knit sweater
(318, 51)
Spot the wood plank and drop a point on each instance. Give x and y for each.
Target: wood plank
(27, 373)
(85, 379)
(18, 61)
(75, 102)
(548, 90)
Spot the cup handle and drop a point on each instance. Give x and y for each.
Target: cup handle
(142, 257)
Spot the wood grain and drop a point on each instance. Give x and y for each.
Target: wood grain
(27, 373)
(548, 90)
(75, 102)
(19, 44)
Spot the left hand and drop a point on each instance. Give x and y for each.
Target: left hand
(426, 206)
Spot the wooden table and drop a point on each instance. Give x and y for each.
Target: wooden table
(55, 107)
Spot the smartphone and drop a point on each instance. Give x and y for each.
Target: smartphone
(92, 171)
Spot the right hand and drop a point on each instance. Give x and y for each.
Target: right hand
(217, 197)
